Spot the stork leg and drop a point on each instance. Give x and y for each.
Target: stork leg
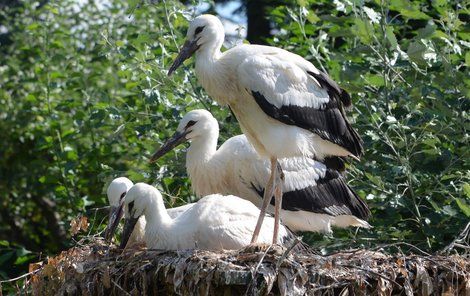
(268, 194)
(278, 181)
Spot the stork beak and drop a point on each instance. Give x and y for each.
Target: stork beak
(175, 140)
(115, 215)
(128, 228)
(186, 52)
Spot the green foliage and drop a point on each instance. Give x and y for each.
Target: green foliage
(85, 98)
(405, 64)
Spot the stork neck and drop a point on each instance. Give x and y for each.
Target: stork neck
(209, 53)
(202, 149)
(156, 214)
(215, 74)
(206, 62)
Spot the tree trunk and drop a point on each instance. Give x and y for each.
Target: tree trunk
(259, 28)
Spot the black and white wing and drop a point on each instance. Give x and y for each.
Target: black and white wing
(310, 186)
(290, 89)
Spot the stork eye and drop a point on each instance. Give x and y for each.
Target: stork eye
(122, 195)
(131, 206)
(198, 30)
(191, 123)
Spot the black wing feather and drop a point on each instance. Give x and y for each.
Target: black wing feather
(330, 122)
(335, 162)
(332, 88)
(331, 196)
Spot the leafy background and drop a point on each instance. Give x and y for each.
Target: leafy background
(85, 98)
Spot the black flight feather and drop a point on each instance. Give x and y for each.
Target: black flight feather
(332, 88)
(329, 123)
(335, 163)
(331, 195)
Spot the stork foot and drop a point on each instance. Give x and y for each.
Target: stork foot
(253, 248)
(256, 247)
(135, 246)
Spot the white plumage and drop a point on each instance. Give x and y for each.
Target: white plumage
(285, 106)
(315, 197)
(116, 193)
(297, 103)
(215, 222)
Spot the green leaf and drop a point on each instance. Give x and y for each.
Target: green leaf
(439, 3)
(363, 29)
(427, 31)
(131, 84)
(391, 37)
(466, 189)
(374, 79)
(56, 74)
(435, 206)
(22, 251)
(408, 9)
(463, 206)
(376, 180)
(312, 17)
(24, 259)
(416, 52)
(431, 142)
(33, 26)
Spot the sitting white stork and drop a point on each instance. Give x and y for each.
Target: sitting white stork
(314, 198)
(286, 107)
(116, 193)
(215, 222)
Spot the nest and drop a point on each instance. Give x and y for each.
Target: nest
(97, 269)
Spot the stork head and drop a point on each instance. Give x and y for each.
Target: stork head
(205, 32)
(139, 197)
(116, 192)
(195, 124)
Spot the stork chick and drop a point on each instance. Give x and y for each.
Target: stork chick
(215, 222)
(116, 193)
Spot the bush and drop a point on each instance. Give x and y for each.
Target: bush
(406, 66)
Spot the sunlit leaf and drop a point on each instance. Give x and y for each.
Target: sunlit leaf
(463, 206)
(363, 29)
(466, 189)
(408, 8)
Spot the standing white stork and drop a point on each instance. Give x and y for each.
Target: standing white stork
(285, 106)
(116, 193)
(314, 198)
(215, 222)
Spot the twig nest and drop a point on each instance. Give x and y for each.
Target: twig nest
(96, 269)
